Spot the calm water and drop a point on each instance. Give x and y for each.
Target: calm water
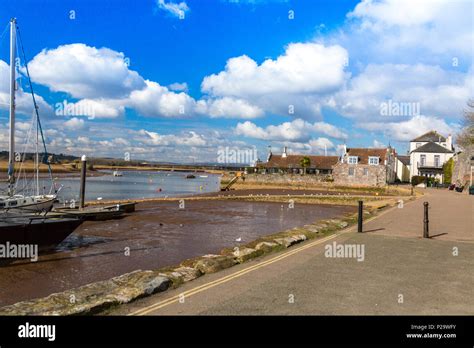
(137, 184)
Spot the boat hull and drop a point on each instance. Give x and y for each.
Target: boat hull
(46, 233)
(38, 204)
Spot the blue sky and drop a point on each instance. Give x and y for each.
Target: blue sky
(179, 80)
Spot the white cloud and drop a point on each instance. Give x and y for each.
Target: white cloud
(321, 144)
(378, 144)
(421, 31)
(85, 72)
(156, 100)
(438, 92)
(23, 99)
(296, 131)
(74, 124)
(294, 84)
(410, 129)
(229, 108)
(175, 9)
(100, 108)
(303, 68)
(190, 138)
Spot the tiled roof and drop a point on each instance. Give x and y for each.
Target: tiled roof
(404, 159)
(364, 153)
(432, 147)
(430, 136)
(293, 161)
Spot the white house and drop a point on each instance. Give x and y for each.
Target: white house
(428, 153)
(402, 168)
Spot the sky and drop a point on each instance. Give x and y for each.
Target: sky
(180, 81)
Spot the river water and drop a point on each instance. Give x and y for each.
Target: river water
(134, 185)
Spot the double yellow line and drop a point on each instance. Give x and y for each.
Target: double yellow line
(196, 290)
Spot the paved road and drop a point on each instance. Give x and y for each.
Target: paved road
(399, 275)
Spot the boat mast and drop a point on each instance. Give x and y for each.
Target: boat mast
(11, 157)
(37, 158)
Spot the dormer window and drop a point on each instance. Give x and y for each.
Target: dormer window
(374, 161)
(352, 160)
(418, 145)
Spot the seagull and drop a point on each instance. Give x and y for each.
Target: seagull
(239, 239)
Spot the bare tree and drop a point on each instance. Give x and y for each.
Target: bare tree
(465, 138)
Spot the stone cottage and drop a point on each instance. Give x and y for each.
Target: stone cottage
(365, 167)
(291, 164)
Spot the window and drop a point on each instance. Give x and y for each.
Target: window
(436, 160)
(422, 160)
(373, 160)
(352, 160)
(366, 171)
(351, 171)
(418, 145)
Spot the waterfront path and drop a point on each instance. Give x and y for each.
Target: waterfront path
(400, 274)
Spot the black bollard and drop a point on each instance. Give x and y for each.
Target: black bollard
(360, 219)
(426, 231)
(83, 182)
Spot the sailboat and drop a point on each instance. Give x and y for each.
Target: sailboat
(24, 218)
(34, 202)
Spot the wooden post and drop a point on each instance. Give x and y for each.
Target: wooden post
(361, 218)
(83, 182)
(426, 231)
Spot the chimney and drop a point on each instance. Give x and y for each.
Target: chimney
(449, 142)
(269, 153)
(284, 154)
(344, 152)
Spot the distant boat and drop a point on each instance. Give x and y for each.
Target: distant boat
(117, 173)
(190, 176)
(203, 176)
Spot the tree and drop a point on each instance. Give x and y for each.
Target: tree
(448, 171)
(466, 137)
(305, 162)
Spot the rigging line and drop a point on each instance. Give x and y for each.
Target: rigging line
(4, 31)
(35, 104)
(25, 149)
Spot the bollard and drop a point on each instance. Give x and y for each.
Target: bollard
(360, 219)
(426, 231)
(83, 182)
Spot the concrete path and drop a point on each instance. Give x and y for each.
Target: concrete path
(398, 275)
(450, 217)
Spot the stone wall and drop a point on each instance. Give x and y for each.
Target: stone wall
(376, 175)
(287, 178)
